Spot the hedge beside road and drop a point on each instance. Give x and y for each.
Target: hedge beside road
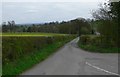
(20, 53)
(96, 43)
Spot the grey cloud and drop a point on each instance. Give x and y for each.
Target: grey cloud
(29, 12)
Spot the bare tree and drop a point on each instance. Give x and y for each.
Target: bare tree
(103, 13)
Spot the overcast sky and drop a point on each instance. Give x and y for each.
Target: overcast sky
(37, 12)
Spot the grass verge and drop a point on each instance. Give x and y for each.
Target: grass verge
(17, 67)
(97, 49)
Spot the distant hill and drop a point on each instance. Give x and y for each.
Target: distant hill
(29, 24)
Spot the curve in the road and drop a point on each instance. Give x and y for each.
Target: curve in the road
(71, 60)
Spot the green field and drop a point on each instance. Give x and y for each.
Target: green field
(21, 34)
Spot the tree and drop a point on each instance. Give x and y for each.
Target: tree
(11, 26)
(115, 11)
(4, 27)
(29, 29)
(108, 16)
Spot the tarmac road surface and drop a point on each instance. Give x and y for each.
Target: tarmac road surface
(71, 60)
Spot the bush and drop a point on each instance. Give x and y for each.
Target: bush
(16, 47)
(21, 53)
(96, 40)
(97, 43)
(84, 39)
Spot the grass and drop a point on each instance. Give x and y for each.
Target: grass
(97, 49)
(0, 68)
(92, 36)
(23, 34)
(26, 62)
(93, 43)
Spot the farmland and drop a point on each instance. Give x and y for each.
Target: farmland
(26, 34)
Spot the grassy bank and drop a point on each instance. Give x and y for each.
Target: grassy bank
(97, 49)
(23, 63)
(98, 44)
(21, 53)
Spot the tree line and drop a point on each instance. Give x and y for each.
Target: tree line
(79, 25)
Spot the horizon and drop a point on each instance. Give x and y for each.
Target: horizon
(43, 22)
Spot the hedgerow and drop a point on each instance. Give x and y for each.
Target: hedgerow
(97, 43)
(17, 49)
